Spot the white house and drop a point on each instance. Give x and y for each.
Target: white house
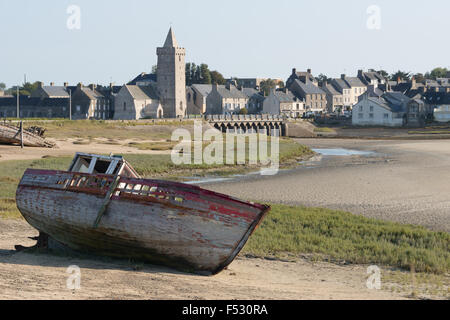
(387, 110)
(137, 102)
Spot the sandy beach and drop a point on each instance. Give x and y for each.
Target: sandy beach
(402, 181)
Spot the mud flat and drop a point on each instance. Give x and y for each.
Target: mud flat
(401, 181)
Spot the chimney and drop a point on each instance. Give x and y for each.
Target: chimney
(79, 85)
(399, 80)
(40, 84)
(66, 84)
(52, 84)
(413, 83)
(92, 87)
(343, 76)
(309, 71)
(360, 73)
(294, 71)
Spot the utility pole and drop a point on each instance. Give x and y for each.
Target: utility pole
(70, 104)
(18, 108)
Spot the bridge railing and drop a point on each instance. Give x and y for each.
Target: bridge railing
(244, 117)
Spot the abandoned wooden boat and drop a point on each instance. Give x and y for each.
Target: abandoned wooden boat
(102, 206)
(11, 134)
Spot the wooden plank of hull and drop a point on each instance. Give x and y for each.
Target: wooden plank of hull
(201, 234)
(11, 135)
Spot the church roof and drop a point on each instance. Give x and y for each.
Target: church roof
(142, 92)
(170, 40)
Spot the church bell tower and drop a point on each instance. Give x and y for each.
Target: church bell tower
(171, 77)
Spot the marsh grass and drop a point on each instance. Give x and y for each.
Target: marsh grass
(59, 129)
(342, 236)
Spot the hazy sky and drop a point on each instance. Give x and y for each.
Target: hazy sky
(242, 38)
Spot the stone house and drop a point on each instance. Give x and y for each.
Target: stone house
(137, 102)
(255, 100)
(89, 103)
(196, 98)
(283, 102)
(301, 76)
(335, 99)
(314, 97)
(371, 77)
(225, 99)
(50, 91)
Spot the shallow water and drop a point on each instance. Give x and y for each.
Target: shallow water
(341, 152)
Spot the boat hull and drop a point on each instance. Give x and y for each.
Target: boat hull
(168, 223)
(11, 135)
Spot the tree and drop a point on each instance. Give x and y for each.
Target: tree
(321, 79)
(188, 74)
(26, 89)
(205, 75)
(383, 73)
(200, 74)
(402, 75)
(419, 77)
(217, 78)
(268, 85)
(2, 86)
(154, 69)
(438, 73)
(243, 111)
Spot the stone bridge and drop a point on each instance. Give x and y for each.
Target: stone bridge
(252, 123)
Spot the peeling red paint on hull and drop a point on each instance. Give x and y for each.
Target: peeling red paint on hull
(163, 222)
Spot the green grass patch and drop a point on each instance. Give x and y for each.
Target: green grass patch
(337, 235)
(323, 129)
(429, 132)
(121, 129)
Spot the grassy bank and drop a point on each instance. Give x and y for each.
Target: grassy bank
(125, 129)
(340, 236)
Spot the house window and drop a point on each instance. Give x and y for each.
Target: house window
(386, 116)
(124, 106)
(371, 115)
(371, 108)
(360, 108)
(360, 115)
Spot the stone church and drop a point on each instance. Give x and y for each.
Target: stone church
(156, 96)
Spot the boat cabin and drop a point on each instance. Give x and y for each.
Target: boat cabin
(99, 164)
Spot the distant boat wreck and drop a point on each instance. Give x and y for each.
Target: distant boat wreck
(101, 205)
(32, 137)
